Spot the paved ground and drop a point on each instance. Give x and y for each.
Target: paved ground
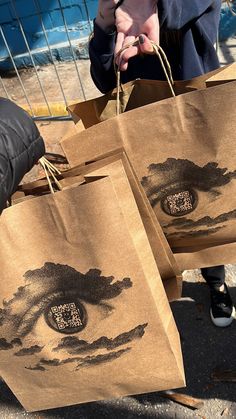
(205, 348)
(75, 81)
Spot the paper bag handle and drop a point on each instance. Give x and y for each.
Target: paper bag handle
(50, 172)
(164, 63)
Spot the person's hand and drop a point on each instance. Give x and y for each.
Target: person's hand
(135, 18)
(105, 18)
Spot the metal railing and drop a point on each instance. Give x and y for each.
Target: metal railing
(16, 73)
(38, 98)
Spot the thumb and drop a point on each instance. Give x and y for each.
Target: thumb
(145, 45)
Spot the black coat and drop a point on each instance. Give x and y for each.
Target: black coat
(20, 147)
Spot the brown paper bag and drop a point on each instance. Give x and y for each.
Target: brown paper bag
(82, 316)
(226, 75)
(143, 92)
(126, 184)
(181, 149)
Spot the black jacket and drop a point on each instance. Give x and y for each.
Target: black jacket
(20, 147)
(188, 31)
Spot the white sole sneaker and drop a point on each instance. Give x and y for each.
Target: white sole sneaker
(223, 321)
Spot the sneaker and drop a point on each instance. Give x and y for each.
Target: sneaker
(222, 311)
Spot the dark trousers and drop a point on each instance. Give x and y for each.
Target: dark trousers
(214, 276)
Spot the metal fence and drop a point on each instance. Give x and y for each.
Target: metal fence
(46, 90)
(29, 87)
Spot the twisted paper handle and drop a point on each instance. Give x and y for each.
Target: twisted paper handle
(164, 63)
(50, 171)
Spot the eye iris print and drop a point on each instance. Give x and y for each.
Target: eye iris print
(65, 301)
(178, 185)
(179, 202)
(181, 175)
(66, 316)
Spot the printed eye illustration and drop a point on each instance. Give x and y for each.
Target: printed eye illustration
(176, 185)
(176, 176)
(66, 302)
(60, 293)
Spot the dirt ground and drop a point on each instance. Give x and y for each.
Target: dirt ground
(75, 81)
(205, 347)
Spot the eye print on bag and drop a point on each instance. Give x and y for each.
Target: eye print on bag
(176, 185)
(52, 308)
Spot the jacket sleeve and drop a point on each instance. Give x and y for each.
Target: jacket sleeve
(101, 49)
(202, 15)
(21, 146)
(175, 14)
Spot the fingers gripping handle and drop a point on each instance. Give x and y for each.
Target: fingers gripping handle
(164, 63)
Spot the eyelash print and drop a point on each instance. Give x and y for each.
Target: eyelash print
(35, 349)
(175, 183)
(101, 358)
(81, 362)
(4, 345)
(64, 297)
(195, 233)
(176, 176)
(54, 282)
(204, 221)
(74, 346)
